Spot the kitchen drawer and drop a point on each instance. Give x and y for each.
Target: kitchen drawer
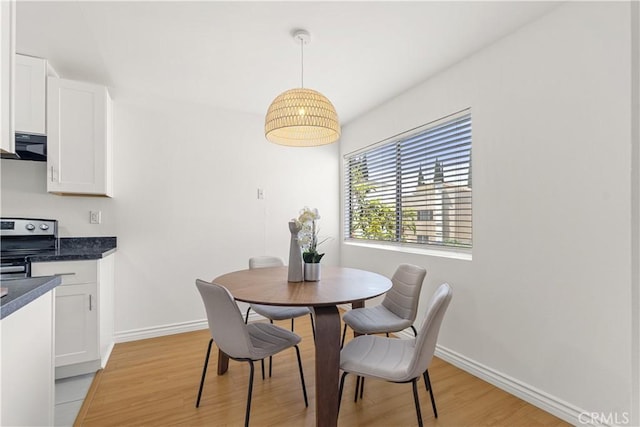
(72, 272)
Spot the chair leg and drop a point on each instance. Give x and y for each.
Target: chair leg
(416, 400)
(262, 364)
(204, 372)
(427, 384)
(246, 317)
(415, 333)
(292, 324)
(248, 412)
(360, 387)
(313, 327)
(270, 361)
(344, 374)
(344, 334)
(387, 333)
(304, 387)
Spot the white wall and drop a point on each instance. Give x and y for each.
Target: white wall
(545, 303)
(635, 210)
(185, 205)
(24, 194)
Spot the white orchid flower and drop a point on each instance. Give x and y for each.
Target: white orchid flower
(308, 215)
(308, 235)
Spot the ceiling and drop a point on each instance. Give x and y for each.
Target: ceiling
(239, 55)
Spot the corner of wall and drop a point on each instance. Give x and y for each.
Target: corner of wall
(635, 212)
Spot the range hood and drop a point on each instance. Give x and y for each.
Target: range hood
(29, 147)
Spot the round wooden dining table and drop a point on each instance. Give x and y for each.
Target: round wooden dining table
(338, 285)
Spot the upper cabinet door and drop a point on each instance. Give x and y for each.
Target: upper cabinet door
(79, 152)
(7, 68)
(30, 90)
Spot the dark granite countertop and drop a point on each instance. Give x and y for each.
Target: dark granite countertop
(78, 248)
(23, 291)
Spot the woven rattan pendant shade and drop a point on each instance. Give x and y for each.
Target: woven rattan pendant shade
(302, 118)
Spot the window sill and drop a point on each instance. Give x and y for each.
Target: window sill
(460, 254)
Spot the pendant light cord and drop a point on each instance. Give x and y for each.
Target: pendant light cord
(301, 62)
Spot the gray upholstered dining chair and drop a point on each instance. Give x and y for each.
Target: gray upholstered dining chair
(273, 312)
(241, 342)
(399, 360)
(398, 309)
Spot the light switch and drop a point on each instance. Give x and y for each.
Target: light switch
(95, 217)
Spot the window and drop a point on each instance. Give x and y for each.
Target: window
(425, 215)
(422, 238)
(415, 188)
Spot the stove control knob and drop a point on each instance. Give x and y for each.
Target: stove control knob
(44, 226)
(30, 227)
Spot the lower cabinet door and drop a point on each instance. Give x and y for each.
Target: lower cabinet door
(76, 337)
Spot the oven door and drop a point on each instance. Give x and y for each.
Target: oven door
(14, 269)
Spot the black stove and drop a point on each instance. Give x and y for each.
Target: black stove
(21, 238)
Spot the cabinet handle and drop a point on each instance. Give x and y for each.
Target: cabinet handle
(65, 274)
(90, 303)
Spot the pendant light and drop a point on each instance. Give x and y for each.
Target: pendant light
(301, 117)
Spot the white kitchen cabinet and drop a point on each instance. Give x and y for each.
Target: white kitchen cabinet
(79, 143)
(26, 378)
(76, 324)
(7, 69)
(83, 313)
(30, 93)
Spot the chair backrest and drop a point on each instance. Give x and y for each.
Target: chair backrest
(403, 297)
(265, 261)
(225, 320)
(427, 337)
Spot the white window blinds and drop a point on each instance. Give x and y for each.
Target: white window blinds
(415, 189)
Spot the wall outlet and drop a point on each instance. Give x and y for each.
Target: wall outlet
(95, 217)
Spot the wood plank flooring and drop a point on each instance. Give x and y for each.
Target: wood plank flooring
(154, 382)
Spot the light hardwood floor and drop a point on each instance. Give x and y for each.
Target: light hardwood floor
(154, 382)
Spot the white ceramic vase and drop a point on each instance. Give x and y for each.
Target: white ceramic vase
(295, 254)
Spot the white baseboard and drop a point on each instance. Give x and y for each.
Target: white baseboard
(175, 328)
(405, 334)
(526, 392)
(105, 357)
(159, 331)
